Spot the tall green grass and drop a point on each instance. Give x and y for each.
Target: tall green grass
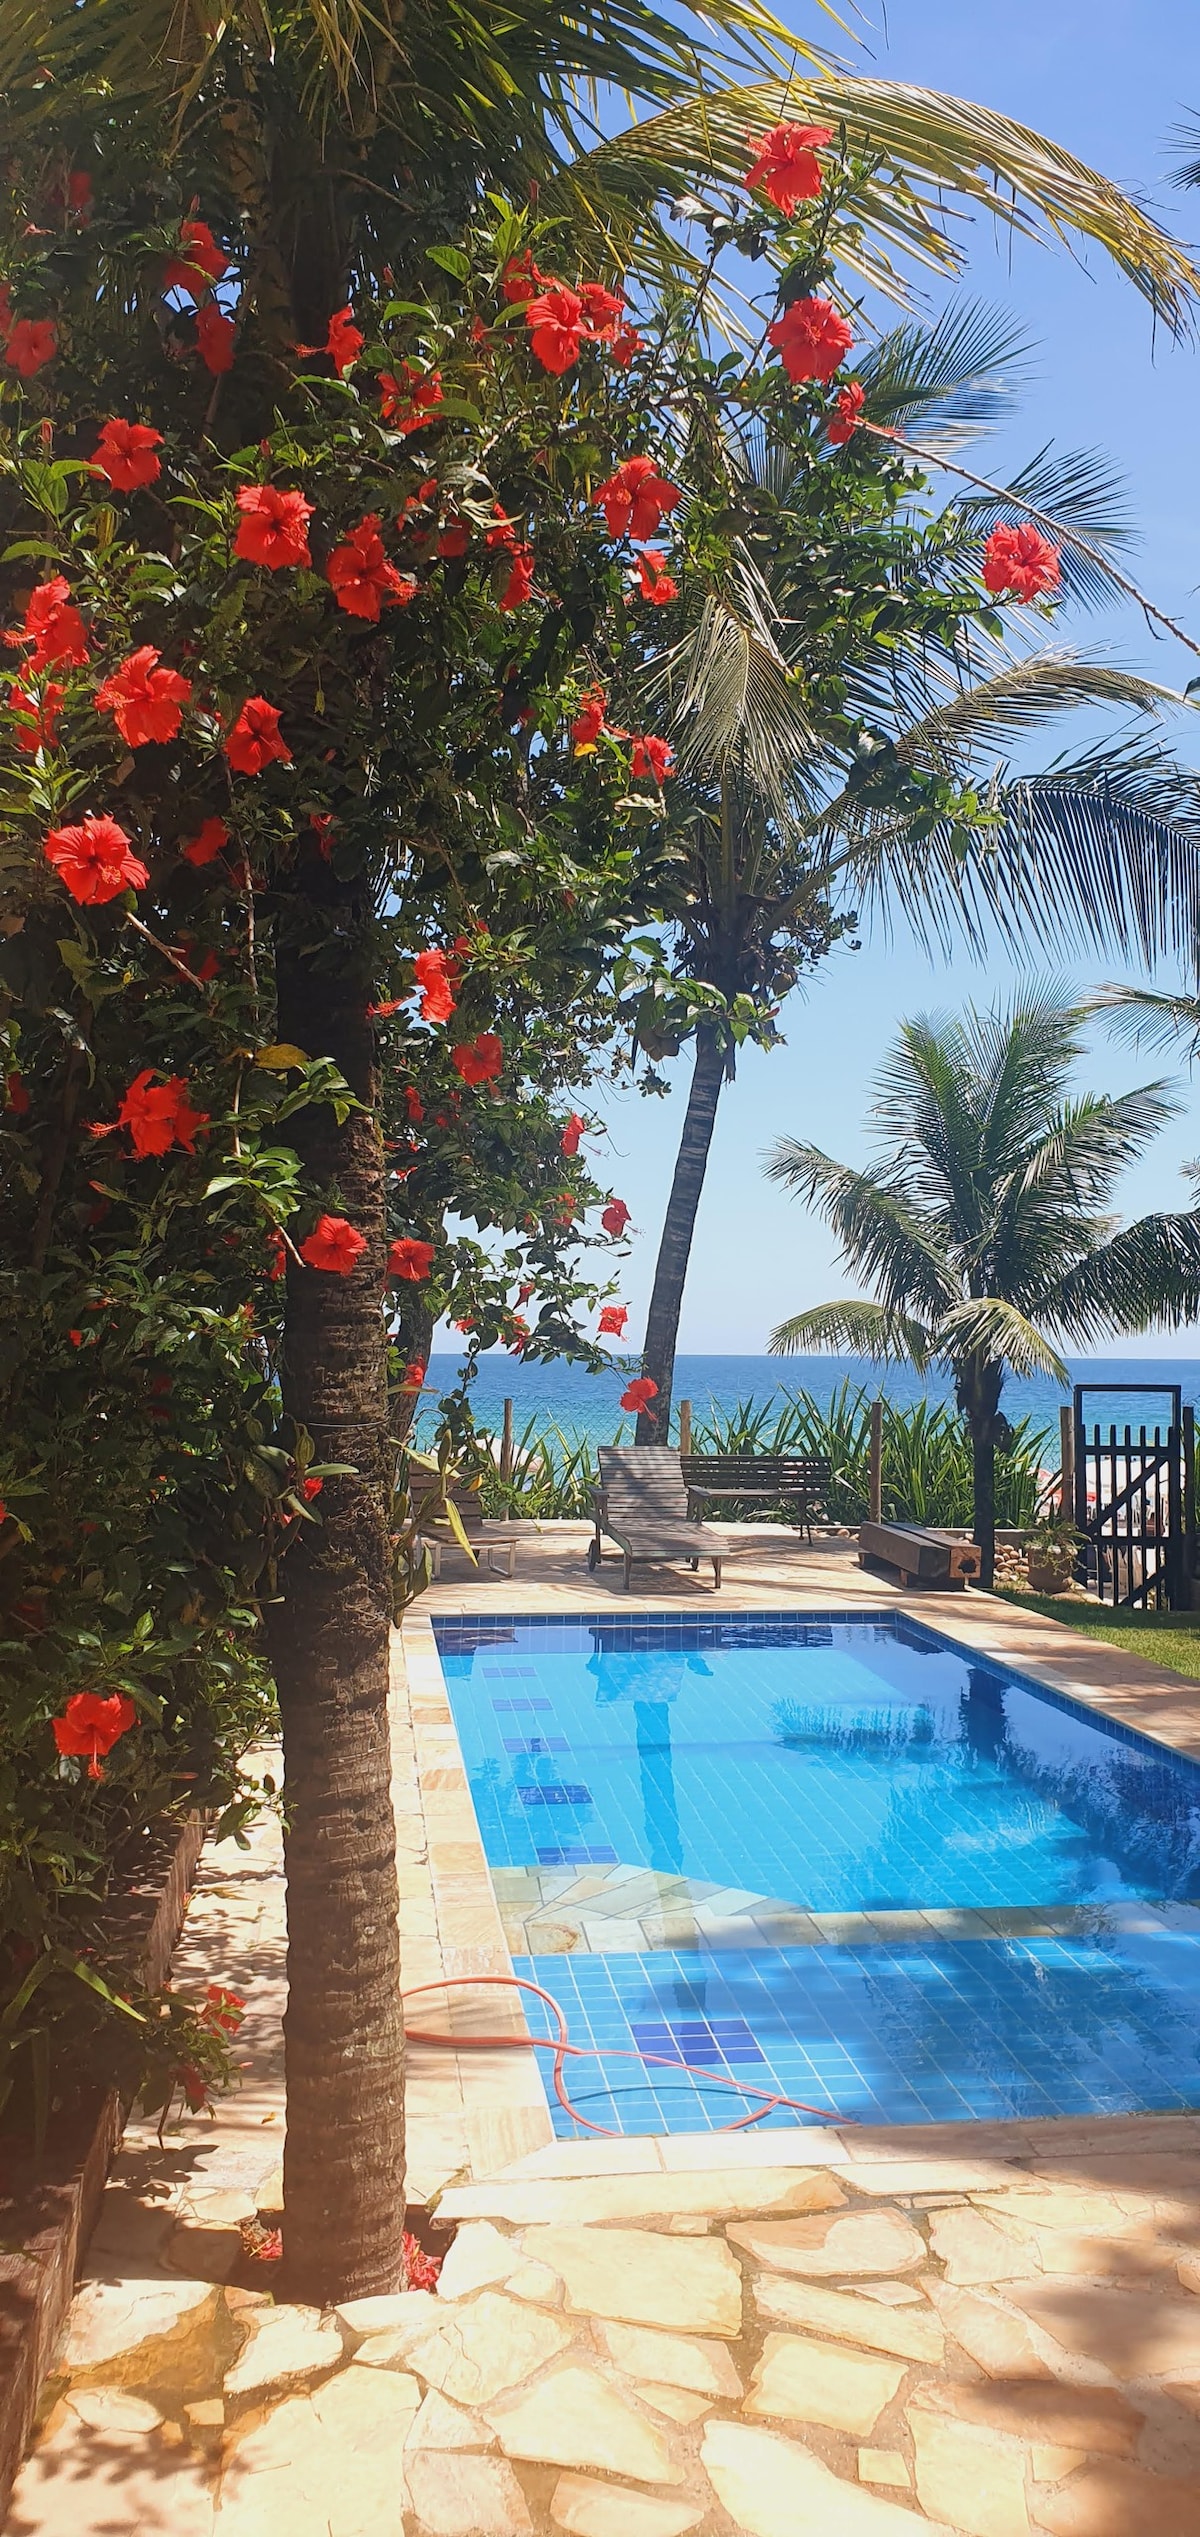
(926, 1459)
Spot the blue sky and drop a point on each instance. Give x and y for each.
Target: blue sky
(1111, 80)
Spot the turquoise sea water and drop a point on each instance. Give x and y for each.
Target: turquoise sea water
(585, 1404)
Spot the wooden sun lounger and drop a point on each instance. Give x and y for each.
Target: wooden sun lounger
(642, 1505)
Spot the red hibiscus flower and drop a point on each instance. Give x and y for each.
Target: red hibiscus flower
(410, 1260)
(410, 400)
(521, 278)
(811, 338)
(95, 861)
(636, 499)
(363, 580)
(54, 628)
(589, 721)
(277, 1254)
(850, 401)
(519, 586)
(146, 703)
(17, 1100)
(333, 1244)
(654, 758)
(125, 454)
(207, 845)
(612, 1321)
(569, 1140)
(92, 1724)
(625, 342)
(342, 344)
(1020, 563)
(255, 738)
(786, 165)
(226, 2009)
(273, 529)
(479, 1061)
(638, 1395)
(414, 1105)
(160, 1115)
(216, 336)
(557, 323)
(32, 342)
(454, 538)
(37, 716)
(414, 1374)
(200, 262)
(654, 581)
(79, 195)
(615, 1216)
(602, 311)
(436, 977)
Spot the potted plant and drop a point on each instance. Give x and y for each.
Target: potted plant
(1050, 1555)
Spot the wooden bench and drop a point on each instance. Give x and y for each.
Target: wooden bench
(750, 1479)
(922, 1556)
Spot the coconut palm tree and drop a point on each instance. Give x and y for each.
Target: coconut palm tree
(983, 1226)
(815, 745)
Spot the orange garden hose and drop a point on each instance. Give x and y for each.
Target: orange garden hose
(560, 2045)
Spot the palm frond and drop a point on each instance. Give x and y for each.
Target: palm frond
(1145, 1019)
(881, 1237)
(1092, 1140)
(1019, 698)
(1075, 490)
(955, 377)
(731, 696)
(856, 1330)
(925, 147)
(986, 1326)
(1146, 1277)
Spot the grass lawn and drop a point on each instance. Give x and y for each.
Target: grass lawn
(1171, 1639)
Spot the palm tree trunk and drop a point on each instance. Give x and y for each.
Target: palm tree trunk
(983, 1459)
(343, 2031)
(675, 1248)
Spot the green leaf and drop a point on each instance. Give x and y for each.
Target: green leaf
(452, 260)
(280, 1055)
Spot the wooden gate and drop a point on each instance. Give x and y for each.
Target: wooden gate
(1134, 1502)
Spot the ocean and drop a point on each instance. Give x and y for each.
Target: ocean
(588, 1405)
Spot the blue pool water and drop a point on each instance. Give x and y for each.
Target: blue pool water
(845, 1859)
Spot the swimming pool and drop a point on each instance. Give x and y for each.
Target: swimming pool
(846, 1858)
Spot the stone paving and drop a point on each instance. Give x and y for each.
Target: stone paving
(985, 2330)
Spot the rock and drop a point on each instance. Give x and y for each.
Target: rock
(440, 2425)
(1108, 2500)
(588, 2509)
(206, 2241)
(884, 2466)
(1133, 2333)
(1000, 2343)
(478, 2257)
(968, 2477)
(287, 2348)
(576, 2418)
(680, 2359)
(1049, 2465)
(85, 2483)
(393, 2312)
(386, 2351)
(326, 2464)
(487, 2345)
(205, 2422)
(458, 2496)
(821, 2382)
(861, 2242)
(976, 2249)
(535, 2282)
(585, 2201)
(128, 2229)
(1042, 2409)
(677, 2403)
(110, 2409)
(771, 2487)
(645, 2278)
(153, 2333)
(914, 2333)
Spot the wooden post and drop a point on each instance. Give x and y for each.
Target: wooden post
(685, 1427)
(876, 1463)
(506, 1443)
(1066, 1432)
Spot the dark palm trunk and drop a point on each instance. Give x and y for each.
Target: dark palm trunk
(675, 1247)
(344, 2033)
(983, 1462)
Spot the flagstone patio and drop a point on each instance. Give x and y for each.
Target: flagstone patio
(985, 2329)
